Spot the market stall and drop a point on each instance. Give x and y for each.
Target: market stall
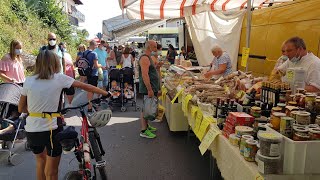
(268, 128)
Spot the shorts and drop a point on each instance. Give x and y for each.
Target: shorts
(38, 141)
(69, 91)
(104, 82)
(93, 80)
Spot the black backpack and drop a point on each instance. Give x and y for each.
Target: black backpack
(84, 66)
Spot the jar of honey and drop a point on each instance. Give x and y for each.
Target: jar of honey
(314, 134)
(276, 119)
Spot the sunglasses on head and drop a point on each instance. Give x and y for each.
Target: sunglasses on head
(52, 39)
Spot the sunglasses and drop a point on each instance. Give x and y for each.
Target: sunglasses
(52, 39)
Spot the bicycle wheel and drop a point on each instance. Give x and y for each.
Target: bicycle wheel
(97, 155)
(73, 175)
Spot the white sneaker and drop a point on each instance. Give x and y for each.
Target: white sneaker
(157, 120)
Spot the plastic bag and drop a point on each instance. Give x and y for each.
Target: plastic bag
(150, 108)
(100, 74)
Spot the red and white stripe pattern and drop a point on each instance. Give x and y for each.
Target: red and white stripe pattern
(166, 9)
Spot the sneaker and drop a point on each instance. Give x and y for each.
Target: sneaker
(152, 129)
(157, 120)
(147, 134)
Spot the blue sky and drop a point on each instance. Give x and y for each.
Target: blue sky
(96, 11)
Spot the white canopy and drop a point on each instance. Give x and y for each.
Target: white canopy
(167, 9)
(210, 22)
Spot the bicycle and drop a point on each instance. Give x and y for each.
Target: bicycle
(88, 147)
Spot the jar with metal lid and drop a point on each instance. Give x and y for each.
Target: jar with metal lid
(292, 103)
(286, 126)
(314, 134)
(276, 109)
(317, 106)
(318, 120)
(282, 106)
(303, 117)
(276, 119)
(250, 150)
(255, 111)
(301, 134)
(310, 101)
(243, 140)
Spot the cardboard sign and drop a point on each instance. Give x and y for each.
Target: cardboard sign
(209, 138)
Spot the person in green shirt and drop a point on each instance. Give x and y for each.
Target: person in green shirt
(148, 84)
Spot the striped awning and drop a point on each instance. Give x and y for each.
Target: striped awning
(168, 9)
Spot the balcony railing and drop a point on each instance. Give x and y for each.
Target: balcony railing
(77, 14)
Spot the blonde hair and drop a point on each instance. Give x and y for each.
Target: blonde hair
(82, 46)
(47, 64)
(13, 45)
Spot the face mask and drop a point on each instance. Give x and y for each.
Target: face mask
(153, 53)
(18, 51)
(295, 59)
(159, 53)
(52, 42)
(104, 48)
(284, 57)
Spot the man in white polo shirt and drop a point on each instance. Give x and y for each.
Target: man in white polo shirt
(296, 50)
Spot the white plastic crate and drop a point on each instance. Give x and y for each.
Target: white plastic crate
(300, 157)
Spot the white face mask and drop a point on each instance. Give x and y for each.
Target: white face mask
(52, 42)
(18, 51)
(284, 57)
(295, 59)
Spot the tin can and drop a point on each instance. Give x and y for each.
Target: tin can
(301, 134)
(314, 133)
(310, 101)
(243, 140)
(250, 150)
(286, 126)
(303, 117)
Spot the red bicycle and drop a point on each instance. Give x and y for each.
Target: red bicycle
(88, 146)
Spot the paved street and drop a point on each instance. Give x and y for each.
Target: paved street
(129, 157)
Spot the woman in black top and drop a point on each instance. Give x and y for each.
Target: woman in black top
(171, 55)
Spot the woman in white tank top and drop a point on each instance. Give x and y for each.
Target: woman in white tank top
(126, 59)
(111, 58)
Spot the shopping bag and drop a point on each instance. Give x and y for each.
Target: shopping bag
(150, 108)
(100, 74)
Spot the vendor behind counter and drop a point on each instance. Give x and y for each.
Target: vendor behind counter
(220, 65)
(296, 50)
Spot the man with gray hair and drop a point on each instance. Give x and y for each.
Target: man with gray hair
(296, 51)
(221, 63)
(148, 85)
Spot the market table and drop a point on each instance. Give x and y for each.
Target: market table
(233, 166)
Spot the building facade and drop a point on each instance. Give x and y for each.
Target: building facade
(69, 7)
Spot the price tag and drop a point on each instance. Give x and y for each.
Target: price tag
(177, 95)
(198, 122)
(209, 138)
(163, 92)
(245, 56)
(203, 128)
(185, 103)
(259, 177)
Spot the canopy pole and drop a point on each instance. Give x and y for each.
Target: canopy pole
(248, 28)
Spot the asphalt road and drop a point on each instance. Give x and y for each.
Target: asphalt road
(128, 156)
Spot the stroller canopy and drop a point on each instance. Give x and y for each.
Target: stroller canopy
(10, 93)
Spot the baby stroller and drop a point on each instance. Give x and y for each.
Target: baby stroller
(125, 79)
(9, 100)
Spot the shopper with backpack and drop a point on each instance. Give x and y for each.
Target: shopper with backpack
(88, 66)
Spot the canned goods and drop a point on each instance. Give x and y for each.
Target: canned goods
(310, 101)
(255, 111)
(301, 134)
(314, 133)
(243, 140)
(250, 150)
(303, 117)
(286, 126)
(275, 120)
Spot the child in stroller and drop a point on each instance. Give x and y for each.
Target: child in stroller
(115, 90)
(12, 127)
(128, 93)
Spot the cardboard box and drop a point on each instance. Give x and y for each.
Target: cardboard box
(240, 119)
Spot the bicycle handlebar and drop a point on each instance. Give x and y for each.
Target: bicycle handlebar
(64, 110)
